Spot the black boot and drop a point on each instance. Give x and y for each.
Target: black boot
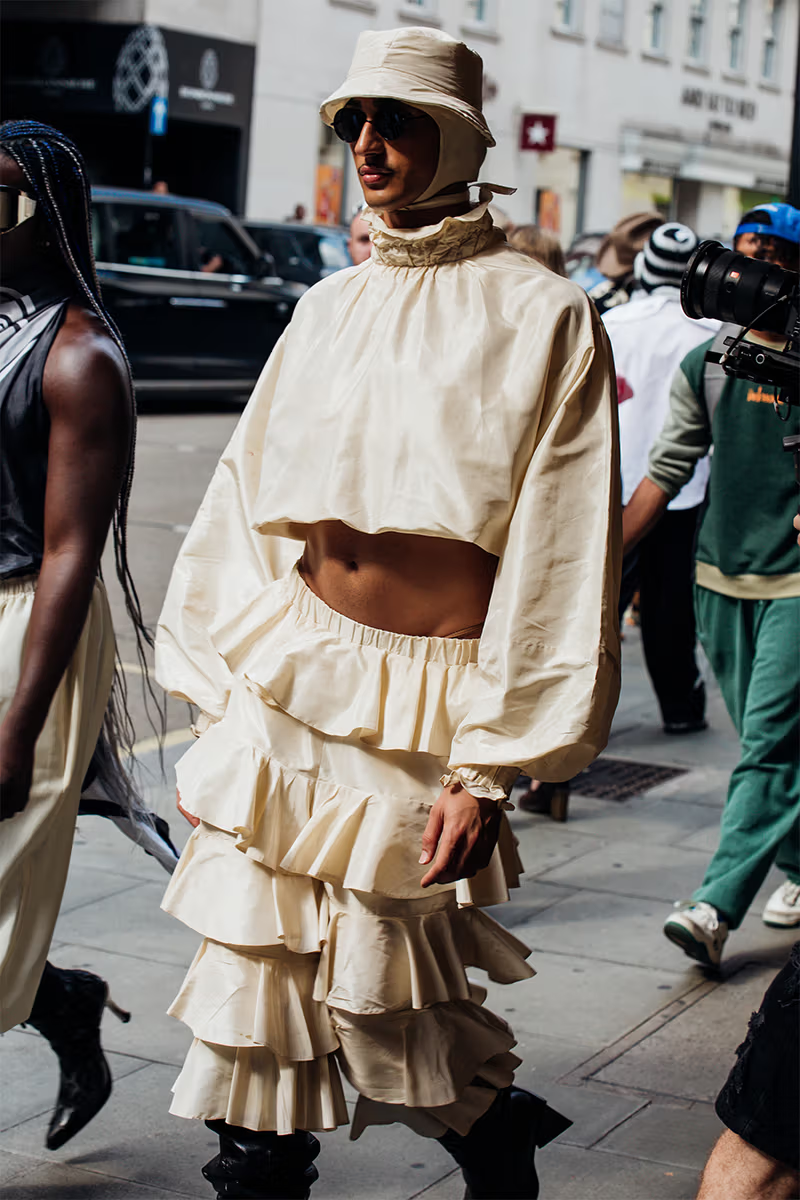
(496, 1156)
(262, 1165)
(67, 1012)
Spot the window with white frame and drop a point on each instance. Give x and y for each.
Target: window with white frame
(612, 22)
(568, 15)
(737, 14)
(698, 29)
(773, 21)
(656, 27)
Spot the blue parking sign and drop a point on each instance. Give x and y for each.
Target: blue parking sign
(159, 107)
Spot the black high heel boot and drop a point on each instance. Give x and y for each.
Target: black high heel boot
(496, 1156)
(262, 1165)
(67, 1012)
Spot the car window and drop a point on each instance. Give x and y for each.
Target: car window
(142, 236)
(282, 246)
(218, 248)
(323, 250)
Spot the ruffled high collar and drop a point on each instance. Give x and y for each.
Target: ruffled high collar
(452, 239)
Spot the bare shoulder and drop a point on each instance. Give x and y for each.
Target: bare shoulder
(85, 366)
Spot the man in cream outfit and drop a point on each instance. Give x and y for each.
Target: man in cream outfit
(400, 590)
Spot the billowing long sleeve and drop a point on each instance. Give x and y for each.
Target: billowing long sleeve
(222, 564)
(549, 654)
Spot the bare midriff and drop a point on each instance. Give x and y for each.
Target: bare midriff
(402, 582)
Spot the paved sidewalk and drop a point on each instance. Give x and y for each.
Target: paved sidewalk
(618, 1029)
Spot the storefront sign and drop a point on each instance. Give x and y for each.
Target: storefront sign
(108, 68)
(538, 132)
(717, 102)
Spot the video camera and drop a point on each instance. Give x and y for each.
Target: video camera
(761, 297)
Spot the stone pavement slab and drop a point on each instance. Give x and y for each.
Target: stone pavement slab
(589, 1001)
(613, 928)
(669, 1135)
(665, 820)
(57, 1181)
(691, 1056)
(150, 934)
(635, 868)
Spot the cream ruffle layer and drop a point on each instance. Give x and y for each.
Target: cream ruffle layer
(329, 808)
(346, 680)
(388, 996)
(265, 1051)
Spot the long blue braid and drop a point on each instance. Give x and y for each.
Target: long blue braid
(58, 179)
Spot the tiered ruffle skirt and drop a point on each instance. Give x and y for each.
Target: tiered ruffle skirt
(321, 951)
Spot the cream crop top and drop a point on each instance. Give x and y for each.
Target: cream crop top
(453, 387)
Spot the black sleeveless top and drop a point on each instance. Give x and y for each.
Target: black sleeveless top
(24, 432)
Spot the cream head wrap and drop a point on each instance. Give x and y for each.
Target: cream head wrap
(436, 74)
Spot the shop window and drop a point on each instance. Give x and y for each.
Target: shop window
(773, 21)
(737, 13)
(612, 22)
(568, 15)
(656, 28)
(217, 249)
(144, 237)
(698, 29)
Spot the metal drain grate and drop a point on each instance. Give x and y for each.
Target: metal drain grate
(619, 779)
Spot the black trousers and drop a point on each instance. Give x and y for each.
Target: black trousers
(662, 569)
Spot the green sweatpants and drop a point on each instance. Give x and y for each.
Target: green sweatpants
(754, 650)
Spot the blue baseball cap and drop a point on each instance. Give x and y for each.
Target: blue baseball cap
(772, 220)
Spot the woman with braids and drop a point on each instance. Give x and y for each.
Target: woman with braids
(67, 422)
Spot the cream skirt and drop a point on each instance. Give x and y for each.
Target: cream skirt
(35, 844)
(321, 951)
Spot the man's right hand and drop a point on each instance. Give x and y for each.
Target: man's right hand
(190, 817)
(16, 773)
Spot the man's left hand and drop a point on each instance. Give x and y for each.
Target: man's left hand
(460, 836)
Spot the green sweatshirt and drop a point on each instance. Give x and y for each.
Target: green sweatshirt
(746, 545)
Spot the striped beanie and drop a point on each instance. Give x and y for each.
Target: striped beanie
(665, 256)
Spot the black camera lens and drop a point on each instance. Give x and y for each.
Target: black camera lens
(731, 287)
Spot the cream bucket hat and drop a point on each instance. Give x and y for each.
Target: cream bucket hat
(435, 73)
(423, 67)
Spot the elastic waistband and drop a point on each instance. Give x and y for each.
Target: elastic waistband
(456, 652)
(18, 585)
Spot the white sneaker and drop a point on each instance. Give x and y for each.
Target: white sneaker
(697, 929)
(783, 906)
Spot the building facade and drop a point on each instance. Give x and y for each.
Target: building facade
(681, 105)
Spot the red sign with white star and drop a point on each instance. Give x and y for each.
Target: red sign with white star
(538, 132)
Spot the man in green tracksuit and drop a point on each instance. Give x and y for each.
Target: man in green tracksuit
(747, 598)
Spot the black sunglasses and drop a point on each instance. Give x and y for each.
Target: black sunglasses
(389, 122)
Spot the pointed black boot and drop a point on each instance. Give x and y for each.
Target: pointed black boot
(262, 1165)
(496, 1156)
(67, 1012)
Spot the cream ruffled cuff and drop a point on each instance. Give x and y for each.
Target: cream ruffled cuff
(482, 783)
